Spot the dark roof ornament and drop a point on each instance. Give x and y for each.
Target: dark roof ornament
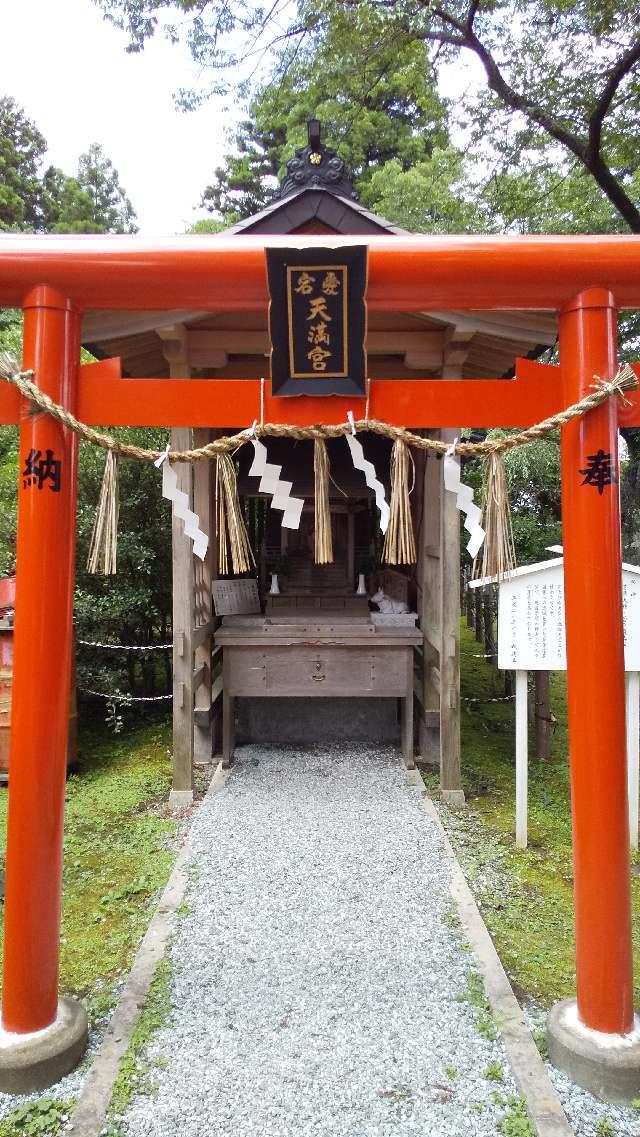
(316, 166)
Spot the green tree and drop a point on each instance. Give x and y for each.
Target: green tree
(561, 80)
(430, 197)
(372, 112)
(112, 211)
(22, 147)
(92, 202)
(66, 207)
(205, 225)
(134, 606)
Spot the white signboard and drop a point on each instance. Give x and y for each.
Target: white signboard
(531, 618)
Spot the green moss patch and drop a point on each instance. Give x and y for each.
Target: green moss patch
(118, 855)
(525, 895)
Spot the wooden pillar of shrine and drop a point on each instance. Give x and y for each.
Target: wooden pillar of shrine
(183, 599)
(450, 779)
(429, 586)
(204, 573)
(457, 344)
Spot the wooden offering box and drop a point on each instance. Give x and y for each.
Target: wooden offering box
(295, 654)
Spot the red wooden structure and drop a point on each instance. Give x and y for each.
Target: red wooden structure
(584, 278)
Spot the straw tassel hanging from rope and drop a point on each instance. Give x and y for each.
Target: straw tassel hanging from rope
(399, 543)
(104, 539)
(498, 552)
(323, 554)
(232, 531)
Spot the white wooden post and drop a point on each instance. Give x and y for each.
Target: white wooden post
(633, 752)
(522, 756)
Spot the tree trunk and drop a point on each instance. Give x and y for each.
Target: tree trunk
(470, 606)
(478, 617)
(488, 617)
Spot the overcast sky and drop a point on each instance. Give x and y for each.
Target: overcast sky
(67, 67)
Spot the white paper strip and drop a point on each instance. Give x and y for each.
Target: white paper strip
(464, 501)
(271, 483)
(180, 505)
(370, 476)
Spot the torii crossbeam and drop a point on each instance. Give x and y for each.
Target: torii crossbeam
(586, 279)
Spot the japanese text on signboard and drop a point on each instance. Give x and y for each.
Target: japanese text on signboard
(318, 327)
(317, 320)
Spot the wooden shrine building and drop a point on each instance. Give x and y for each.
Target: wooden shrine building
(317, 197)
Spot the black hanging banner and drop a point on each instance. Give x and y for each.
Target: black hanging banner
(318, 320)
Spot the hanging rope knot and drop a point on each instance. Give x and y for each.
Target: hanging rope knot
(624, 380)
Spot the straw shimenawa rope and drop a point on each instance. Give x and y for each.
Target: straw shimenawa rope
(624, 380)
(232, 531)
(103, 550)
(399, 543)
(498, 551)
(323, 540)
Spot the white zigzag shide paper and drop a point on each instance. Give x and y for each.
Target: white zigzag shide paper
(180, 505)
(271, 483)
(465, 503)
(370, 477)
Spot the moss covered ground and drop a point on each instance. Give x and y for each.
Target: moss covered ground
(118, 855)
(526, 896)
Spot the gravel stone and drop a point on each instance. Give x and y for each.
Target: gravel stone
(317, 991)
(586, 1113)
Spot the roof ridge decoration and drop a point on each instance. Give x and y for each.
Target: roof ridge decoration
(316, 166)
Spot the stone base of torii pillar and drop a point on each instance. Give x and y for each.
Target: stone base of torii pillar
(606, 1064)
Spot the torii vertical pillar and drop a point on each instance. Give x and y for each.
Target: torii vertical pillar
(595, 1038)
(42, 1037)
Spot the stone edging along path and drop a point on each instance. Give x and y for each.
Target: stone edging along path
(525, 1064)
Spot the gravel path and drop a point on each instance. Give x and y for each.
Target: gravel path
(317, 989)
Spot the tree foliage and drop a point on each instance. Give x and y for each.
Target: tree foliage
(373, 110)
(430, 197)
(136, 606)
(22, 147)
(133, 607)
(561, 91)
(92, 202)
(37, 200)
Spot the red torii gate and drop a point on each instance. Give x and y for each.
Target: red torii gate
(585, 278)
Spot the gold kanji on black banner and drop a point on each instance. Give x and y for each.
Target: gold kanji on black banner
(317, 320)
